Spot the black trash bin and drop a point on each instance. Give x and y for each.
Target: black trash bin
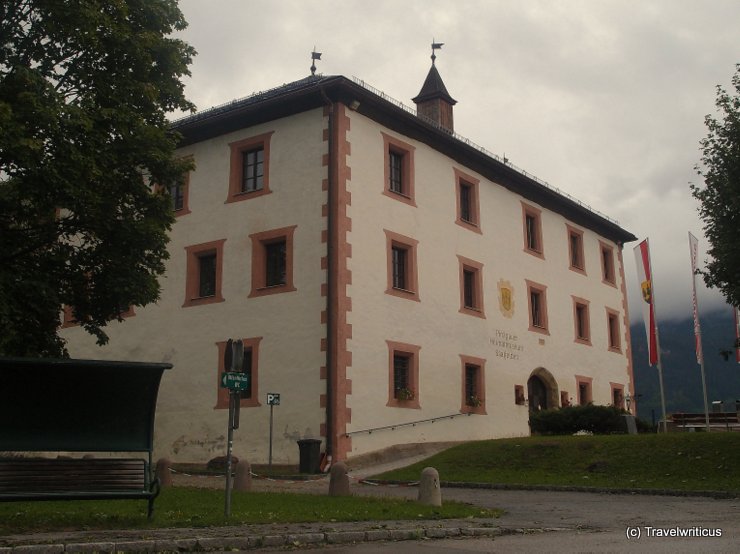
(310, 455)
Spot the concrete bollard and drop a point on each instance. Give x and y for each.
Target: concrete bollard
(243, 476)
(163, 473)
(339, 480)
(429, 490)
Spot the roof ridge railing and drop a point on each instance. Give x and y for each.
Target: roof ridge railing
(311, 78)
(480, 149)
(255, 95)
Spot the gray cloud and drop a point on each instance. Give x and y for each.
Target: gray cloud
(603, 99)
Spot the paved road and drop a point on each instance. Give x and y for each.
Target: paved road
(586, 522)
(579, 522)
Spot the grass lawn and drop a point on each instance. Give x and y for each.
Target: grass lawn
(683, 461)
(191, 507)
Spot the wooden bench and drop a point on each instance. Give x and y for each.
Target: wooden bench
(77, 406)
(727, 420)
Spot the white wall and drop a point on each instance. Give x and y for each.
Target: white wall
(188, 428)
(435, 322)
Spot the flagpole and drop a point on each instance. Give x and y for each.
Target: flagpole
(657, 342)
(694, 247)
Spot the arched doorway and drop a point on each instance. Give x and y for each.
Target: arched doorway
(542, 390)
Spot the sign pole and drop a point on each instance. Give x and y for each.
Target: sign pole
(229, 447)
(233, 363)
(272, 406)
(273, 399)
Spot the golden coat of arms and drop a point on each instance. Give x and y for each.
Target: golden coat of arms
(506, 298)
(647, 291)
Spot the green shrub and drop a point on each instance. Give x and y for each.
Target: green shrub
(599, 420)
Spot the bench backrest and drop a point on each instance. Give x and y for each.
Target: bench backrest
(78, 405)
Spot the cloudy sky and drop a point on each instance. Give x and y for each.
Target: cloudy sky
(604, 99)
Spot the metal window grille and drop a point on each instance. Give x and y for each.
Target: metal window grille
(401, 368)
(471, 384)
(399, 258)
(253, 169)
(396, 172)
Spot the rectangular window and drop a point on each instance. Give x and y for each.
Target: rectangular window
(564, 401)
(469, 291)
(532, 242)
(403, 375)
(253, 169)
(272, 262)
(401, 381)
(465, 200)
(473, 385)
(250, 396)
(396, 183)
(249, 168)
(575, 249)
(204, 263)
(519, 399)
(399, 170)
(617, 396)
(532, 220)
(399, 262)
(207, 275)
(607, 264)
(537, 296)
(402, 271)
(583, 385)
(177, 194)
(471, 287)
(275, 263)
(614, 337)
(468, 204)
(247, 370)
(581, 320)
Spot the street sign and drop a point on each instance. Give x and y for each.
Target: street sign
(273, 399)
(235, 381)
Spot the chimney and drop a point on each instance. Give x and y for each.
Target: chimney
(434, 102)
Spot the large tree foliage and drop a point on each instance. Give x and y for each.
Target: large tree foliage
(720, 196)
(84, 89)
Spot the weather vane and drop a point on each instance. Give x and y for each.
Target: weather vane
(436, 46)
(314, 56)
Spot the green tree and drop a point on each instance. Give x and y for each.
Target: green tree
(720, 196)
(85, 86)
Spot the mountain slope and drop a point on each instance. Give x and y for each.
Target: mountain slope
(681, 372)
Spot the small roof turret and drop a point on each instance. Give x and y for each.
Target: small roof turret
(433, 101)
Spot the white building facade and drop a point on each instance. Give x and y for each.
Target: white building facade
(393, 283)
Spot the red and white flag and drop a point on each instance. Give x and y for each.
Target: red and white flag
(694, 251)
(645, 277)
